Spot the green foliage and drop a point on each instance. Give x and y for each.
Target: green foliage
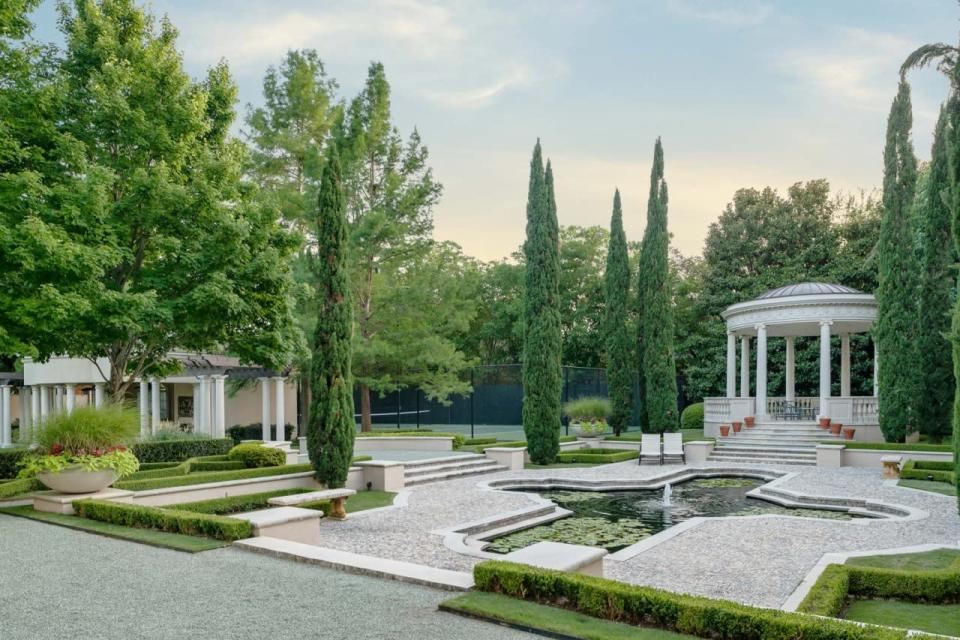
(9, 461)
(361, 502)
(237, 504)
(170, 520)
(655, 306)
(616, 326)
(828, 596)
(241, 432)
(899, 363)
(703, 617)
(331, 426)
(588, 408)
(927, 470)
(476, 441)
(254, 456)
(180, 450)
(692, 416)
(210, 476)
(19, 487)
(87, 429)
(122, 462)
(597, 456)
(458, 438)
(542, 374)
(892, 446)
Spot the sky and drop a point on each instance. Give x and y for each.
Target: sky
(751, 93)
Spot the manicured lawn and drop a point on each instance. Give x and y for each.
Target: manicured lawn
(928, 485)
(174, 541)
(549, 620)
(936, 618)
(369, 500)
(925, 561)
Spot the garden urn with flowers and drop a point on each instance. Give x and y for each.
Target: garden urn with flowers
(84, 451)
(588, 416)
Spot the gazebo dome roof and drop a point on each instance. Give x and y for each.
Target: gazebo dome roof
(806, 289)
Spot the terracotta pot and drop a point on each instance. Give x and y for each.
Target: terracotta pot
(749, 421)
(835, 428)
(724, 430)
(736, 426)
(824, 423)
(848, 433)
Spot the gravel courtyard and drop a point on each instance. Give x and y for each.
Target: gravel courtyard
(51, 577)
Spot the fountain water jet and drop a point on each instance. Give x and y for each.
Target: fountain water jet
(667, 491)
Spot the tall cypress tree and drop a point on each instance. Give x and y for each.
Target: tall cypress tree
(897, 291)
(937, 280)
(542, 375)
(659, 368)
(330, 430)
(952, 135)
(616, 318)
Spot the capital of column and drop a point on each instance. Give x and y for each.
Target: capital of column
(826, 323)
(279, 378)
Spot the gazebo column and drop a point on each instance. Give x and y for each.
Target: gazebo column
(26, 413)
(154, 405)
(745, 366)
(34, 411)
(6, 429)
(69, 396)
(144, 407)
(98, 389)
(824, 367)
(196, 405)
(264, 409)
(281, 412)
(791, 366)
(845, 365)
(219, 428)
(731, 365)
(202, 412)
(761, 408)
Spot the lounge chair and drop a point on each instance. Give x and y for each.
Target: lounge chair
(673, 449)
(650, 449)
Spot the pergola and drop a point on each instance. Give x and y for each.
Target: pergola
(809, 309)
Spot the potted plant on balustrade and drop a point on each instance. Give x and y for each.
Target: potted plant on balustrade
(83, 452)
(588, 416)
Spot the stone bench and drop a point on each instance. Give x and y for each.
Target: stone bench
(286, 523)
(574, 558)
(335, 496)
(891, 466)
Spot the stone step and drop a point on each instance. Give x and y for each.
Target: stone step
(429, 462)
(721, 458)
(736, 442)
(422, 470)
(764, 455)
(454, 473)
(811, 453)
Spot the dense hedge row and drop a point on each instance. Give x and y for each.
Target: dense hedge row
(703, 617)
(191, 465)
(893, 446)
(928, 470)
(180, 450)
(237, 504)
(840, 582)
(598, 456)
(476, 441)
(210, 476)
(8, 462)
(14, 488)
(169, 520)
(240, 432)
(516, 444)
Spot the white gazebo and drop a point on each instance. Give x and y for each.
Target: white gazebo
(806, 310)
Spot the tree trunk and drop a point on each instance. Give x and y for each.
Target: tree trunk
(366, 424)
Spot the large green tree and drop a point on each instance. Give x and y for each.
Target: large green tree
(542, 374)
(140, 236)
(897, 291)
(619, 346)
(937, 287)
(330, 430)
(659, 378)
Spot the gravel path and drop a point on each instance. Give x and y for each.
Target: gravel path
(55, 581)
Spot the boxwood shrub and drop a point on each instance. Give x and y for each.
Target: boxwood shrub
(240, 432)
(8, 462)
(237, 504)
(692, 416)
(210, 476)
(13, 488)
(928, 470)
(169, 520)
(254, 456)
(698, 616)
(180, 450)
(597, 455)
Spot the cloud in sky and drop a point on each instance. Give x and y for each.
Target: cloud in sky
(739, 14)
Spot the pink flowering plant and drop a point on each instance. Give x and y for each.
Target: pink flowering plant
(92, 439)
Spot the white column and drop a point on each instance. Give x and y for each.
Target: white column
(34, 410)
(278, 401)
(144, 407)
(196, 406)
(790, 392)
(761, 409)
(57, 400)
(731, 365)
(98, 394)
(264, 409)
(745, 366)
(44, 403)
(6, 429)
(876, 369)
(154, 405)
(824, 367)
(26, 413)
(69, 396)
(845, 365)
(204, 404)
(219, 429)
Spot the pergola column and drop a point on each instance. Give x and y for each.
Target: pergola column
(34, 411)
(280, 411)
(26, 413)
(69, 396)
(154, 405)
(44, 403)
(196, 406)
(731, 365)
(219, 428)
(98, 393)
(264, 409)
(57, 400)
(6, 429)
(202, 412)
(876, 369)
(845, 365)
(824, 366)
(745, 366)
(761, 408)
(144, 407)
(790, 392)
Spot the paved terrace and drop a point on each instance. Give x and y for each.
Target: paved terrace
(752, 560)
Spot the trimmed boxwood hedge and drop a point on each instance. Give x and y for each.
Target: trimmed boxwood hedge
(928, 470)
(600, 456)
(170, 520)
(210, 476)
(237, 504)
(254, 456)
(191, 465)
(8, 462)
(180, 450)
(240, 432)
(698, 616)
(12, 488)
(892, 446)
(476, 441)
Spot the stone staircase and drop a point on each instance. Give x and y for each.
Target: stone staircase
(793, 442)
(436, 469)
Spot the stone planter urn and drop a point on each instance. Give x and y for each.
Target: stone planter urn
(724, 430)
(848, 433)
(577, 429)
(835, 428)
(77, 480)
(736, 426)
(749, 421)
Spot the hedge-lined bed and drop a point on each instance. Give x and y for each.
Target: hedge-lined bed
(636, 605)
(204, 477)
(13, 489)
(237, 504)
(516, 444)
(937, 471)
(180, 450)
(169, 520)
(892, 446)
(597, 456)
